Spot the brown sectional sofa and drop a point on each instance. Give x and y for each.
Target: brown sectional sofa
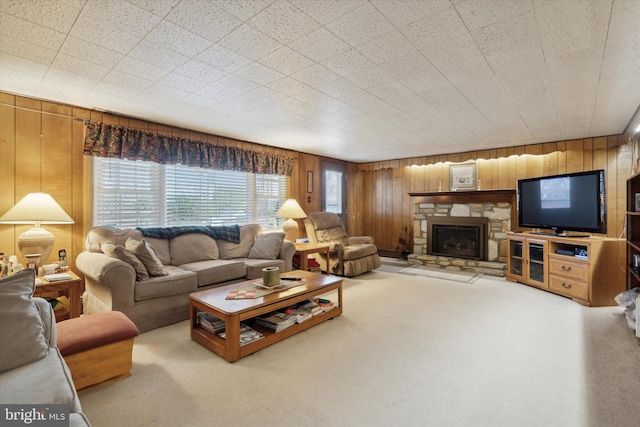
(155, 295)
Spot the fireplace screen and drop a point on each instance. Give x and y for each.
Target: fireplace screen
(450, 237)
(457, 241)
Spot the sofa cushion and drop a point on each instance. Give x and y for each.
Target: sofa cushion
(116, 236)
(123, 254)
(255, 266)
(176, 282)
(45, 381)
(147, 255)
(216, 271)
(267, 246)
(22, 334)
(192, 247)
(359, 251)
(161, 248)
(248, 235)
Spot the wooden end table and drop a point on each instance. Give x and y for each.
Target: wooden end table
(71, 288)
(304, 249)
(214, 302)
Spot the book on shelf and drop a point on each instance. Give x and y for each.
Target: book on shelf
(310, 306)
(276, 321)
(301, 314)
(325, 304)
(57, 277)
(247, 334)
(210, 322)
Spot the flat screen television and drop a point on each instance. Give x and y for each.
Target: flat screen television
(568, 202)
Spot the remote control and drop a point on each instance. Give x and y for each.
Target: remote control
(291, 278)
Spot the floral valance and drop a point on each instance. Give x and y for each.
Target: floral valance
(105, 140)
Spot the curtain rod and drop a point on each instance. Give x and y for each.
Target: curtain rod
(78, 119)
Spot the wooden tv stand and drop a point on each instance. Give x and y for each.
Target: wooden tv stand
(589, 270)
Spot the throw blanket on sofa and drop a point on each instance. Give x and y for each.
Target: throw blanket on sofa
(223, 232)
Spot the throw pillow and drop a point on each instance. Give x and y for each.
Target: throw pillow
(145, 253)
(123, 254)
(248, 235)
(267, 246)
(22, 338)
(192, 247)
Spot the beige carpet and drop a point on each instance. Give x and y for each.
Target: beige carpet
(406, 352)
(455, 276)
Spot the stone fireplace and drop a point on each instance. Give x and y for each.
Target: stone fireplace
(463, 230)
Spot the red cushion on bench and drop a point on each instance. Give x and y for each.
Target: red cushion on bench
(94, 330)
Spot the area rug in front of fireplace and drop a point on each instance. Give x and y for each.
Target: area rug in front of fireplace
(456, 276)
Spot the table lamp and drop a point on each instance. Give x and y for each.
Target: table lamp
(290, 209)
(38, 209)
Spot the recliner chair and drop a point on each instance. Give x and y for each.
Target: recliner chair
(348, 256)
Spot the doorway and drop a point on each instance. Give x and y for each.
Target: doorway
(334, 188)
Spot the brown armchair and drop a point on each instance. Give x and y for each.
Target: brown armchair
(348, 256)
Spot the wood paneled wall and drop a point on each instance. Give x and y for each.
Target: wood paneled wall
(387, 207)
(41, 150)
(38, 153)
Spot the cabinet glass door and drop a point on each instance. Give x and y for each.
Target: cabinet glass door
(536, 262)
(515, 257)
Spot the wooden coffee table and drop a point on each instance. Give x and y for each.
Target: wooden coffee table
(233, 312)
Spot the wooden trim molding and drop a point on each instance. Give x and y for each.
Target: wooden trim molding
(478, 196)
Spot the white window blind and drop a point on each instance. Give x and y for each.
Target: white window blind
(207, 197)
(127, 194)
(183, 195)
(270, 192)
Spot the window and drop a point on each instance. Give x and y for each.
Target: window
(145, 194)
(334, 188)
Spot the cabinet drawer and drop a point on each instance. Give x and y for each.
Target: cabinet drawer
(569, 287)
(568, 268)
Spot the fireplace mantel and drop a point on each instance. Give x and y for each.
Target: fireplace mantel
(477, 196)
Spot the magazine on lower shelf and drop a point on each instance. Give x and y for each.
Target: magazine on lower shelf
(210, 322)
(325, 304)
(247, 334)
(277, 321)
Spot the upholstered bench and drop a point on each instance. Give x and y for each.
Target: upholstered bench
(97, 347)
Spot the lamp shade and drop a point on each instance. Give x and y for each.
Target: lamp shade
(36, 208)
(290, 209)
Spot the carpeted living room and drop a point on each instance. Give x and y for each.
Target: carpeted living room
(407, 350)
(320, 213)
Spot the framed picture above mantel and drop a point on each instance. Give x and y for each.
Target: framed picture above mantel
(462, 177)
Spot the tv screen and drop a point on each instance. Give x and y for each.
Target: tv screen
(569, 202)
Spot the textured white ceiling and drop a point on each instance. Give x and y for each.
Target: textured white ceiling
(351, 79)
